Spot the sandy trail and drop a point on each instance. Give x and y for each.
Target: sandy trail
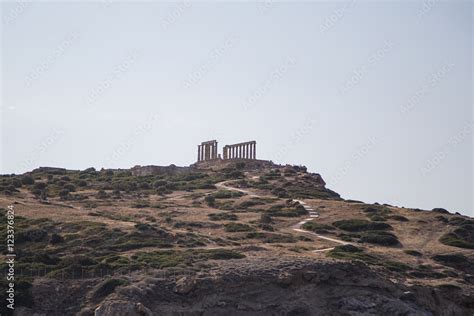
(297, 227)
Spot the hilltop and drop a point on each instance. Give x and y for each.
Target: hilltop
(234, 237)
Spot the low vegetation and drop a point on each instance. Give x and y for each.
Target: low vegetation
(237, 227)
(462, 236)
(381, 238)
(223, 217)
(413, 253)
(358, 225)
(352, 253)
(317, 228)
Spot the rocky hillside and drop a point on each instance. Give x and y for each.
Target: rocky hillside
(237, 238)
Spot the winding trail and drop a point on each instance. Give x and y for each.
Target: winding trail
(297, 227)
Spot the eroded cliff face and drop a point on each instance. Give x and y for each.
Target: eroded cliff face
(271, 286)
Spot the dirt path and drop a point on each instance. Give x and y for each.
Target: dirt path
(297, 227)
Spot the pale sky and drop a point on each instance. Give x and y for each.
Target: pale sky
(375, 96)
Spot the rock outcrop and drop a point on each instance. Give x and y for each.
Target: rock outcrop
(281, 287)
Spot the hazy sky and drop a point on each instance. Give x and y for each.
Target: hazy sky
(375, 96)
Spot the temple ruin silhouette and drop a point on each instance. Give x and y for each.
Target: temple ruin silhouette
(208, 151)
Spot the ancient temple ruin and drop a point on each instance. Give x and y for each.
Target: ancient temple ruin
(209, 151)
(247, 150)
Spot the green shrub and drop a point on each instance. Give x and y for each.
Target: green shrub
(70, 187)
(63, 194)
(462, 236)
(316, 227)
(455, 258)
(289, 210)
(265, 237)
(348, 253)
(357, 225)
(101, 194)
(160, 259)
(457, 261)
(459, 221)
(222, 217)
(280, 192)
(440, 210)
(223, 254)
(454, 240)
(379, 238)
(31, 234)
(377, 209)
(160, 183)
(348, 248)
(40, 185)
(82, 183)
(144, 185)
(395, 266)
(227, 194)
(249, 203)
(237, 227)
(210, 200)
(413, 253)
(27, 180)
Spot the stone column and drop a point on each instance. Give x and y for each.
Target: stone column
(199, 152)
(254, 150)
